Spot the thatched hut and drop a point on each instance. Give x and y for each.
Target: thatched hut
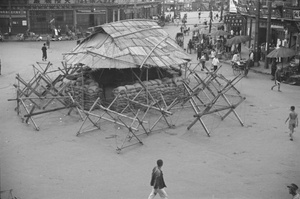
(126, 55)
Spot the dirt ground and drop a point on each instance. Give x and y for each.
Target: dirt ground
(243, 162)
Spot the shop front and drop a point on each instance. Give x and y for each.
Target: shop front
(86, 18)
(18, 19)
(44, 15)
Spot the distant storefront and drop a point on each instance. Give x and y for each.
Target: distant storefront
(43, 16)
(18, 20)
(46, 14)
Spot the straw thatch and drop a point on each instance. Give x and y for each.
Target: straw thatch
(128, 44)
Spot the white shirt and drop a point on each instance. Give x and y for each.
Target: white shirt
(215, 61)
(251, 57)
(236, 58)
(213, 54)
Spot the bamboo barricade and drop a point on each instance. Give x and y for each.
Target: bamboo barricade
(41, 91)
(210, 96)
(109, 115)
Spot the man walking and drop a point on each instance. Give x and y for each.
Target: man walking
(215, 63)
(157, 181)
(48, 41)
(277, 78)
(293, 121)
(44, 50)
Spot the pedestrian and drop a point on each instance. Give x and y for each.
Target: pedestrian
(190, 46)
(181, 29)
(293, 121)
(44, 50)
(215, 63)
(251, 58)
(157, 181)
(199, 50)
(213, 53)
(293, 191)
(278, 73)
(48, 41)
(202, 61)
(273, 68)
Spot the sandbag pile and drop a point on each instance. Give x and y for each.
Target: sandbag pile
(168, 88)
(84, 89)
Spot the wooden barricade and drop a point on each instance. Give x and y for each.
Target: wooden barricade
(42, 94)
(210, 95)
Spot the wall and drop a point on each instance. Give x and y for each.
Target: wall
(169, 88)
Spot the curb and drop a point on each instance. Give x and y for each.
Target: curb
(254, 69)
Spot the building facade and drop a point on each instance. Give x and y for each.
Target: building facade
(41, 16)
(285, 21)
(13, 16)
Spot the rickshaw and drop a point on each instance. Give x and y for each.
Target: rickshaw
(240, 68)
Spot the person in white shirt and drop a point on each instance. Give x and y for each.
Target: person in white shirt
(236, 58)
(215, 63)
(213, 53)
(251, 59)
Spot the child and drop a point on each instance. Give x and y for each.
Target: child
(215, 62)
(293, 121)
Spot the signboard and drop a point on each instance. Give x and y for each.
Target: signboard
(93, 1)
(277, 26)
(92, 11)
(296, 14)
(234, 20)
(51, 1)
(12, 14)
(232, 6)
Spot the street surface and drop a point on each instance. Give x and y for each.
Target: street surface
(250, 162)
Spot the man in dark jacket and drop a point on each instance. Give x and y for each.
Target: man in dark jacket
(44, 50)
(157, 181)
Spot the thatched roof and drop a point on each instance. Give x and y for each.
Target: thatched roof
(128, 44)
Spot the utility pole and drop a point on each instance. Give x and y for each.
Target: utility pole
(10, 20)
(222, 10)
(174, 9)
(256, 51)
(135, 9)
(267, 47)
(210, 17)
(163, 12)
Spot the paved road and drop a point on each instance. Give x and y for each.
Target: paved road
(255, 161)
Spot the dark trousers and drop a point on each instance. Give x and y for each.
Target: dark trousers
(45, 56)
(198, 55)
(215, 67)
(203, 64)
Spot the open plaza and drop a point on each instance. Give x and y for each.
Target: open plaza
(45, 152)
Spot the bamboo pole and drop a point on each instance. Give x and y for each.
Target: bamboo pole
(42, 112)
(24, 105)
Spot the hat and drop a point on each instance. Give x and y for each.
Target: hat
(293, 186)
